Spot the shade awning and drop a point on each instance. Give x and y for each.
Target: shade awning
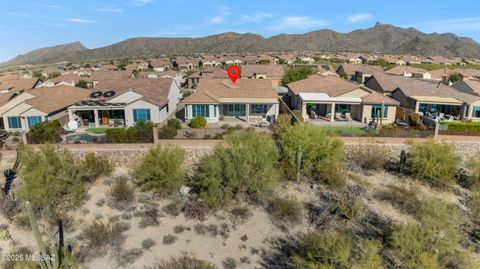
(322, 97)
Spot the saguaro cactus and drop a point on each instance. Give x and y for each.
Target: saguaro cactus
(52, 263)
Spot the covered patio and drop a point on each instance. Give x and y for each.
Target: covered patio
(440, 107)
(97, 114)
(331, 109)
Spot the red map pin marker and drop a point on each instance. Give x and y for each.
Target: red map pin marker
(233, 73)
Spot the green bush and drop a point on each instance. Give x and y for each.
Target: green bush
(244, 165)
(167, 132)
(45, 132)
(281, 124)
(370, 255)
(404, 198)
(295, 74)
(318, 151)
(198, 122)
(52, 181)
(323, 250)
(462, 126)
(434, 162)
(141, 132)
(161, 170)
(174, 123)
(94, 166)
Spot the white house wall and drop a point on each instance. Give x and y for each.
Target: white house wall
(140, 104)
(127, 97)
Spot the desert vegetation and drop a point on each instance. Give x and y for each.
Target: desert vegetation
(291, 200)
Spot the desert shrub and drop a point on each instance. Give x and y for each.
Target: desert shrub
(148, 243)
(244, 165)
(52, 180)
(13, 263)
(240, 214)
(281, 124)
(45, 132)
(225, 126)
(161, 170)
(125, 257)
(174, 123)
(173, 209)
(229, 263)
(474, 205)
(368, 156)
(99, 235)
(169, 239)
(196, 210)
(416, 121)
(370, 255)
(348, 207)
(167, 132)
(149, 217)
(298, 114)
(470, 178)
(322, 250)
(9, 207)
(143, 131)
(331, 173)
(434, 162)
(286, 211)
(315, 147)
(404, 198)
(198, 122)
(121, 193)
(94, 166)
(183, 262)
(179, 229)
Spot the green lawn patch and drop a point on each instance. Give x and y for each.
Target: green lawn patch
(97, 130)
(346, 130)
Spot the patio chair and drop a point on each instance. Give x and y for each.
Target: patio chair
(348, 116)
(450, 119)
(338, 115)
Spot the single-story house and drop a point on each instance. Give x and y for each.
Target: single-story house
(126, 101)
(435, 98)
(272, 72)
(247, 99)
(409, 71)
(159, 65)
(206, 72)
(38, 105)
(333, 98)
(385, 83)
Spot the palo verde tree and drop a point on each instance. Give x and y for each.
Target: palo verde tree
(295, 74)
(244, 166)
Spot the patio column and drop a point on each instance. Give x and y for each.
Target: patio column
(247, 112)
(70, 115)
(332, 112)
(95, 115)
(417, 106)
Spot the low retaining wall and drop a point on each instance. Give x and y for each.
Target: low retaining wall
(130, 156)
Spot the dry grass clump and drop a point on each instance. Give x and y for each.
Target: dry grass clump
(368, 156)
(286, 211)
(121, 194)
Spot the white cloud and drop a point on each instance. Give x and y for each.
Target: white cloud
(254, 18)
(356, 18)
(142, 2)
(111, 10)
(225, 12)
(298, 23)
(78, 20)
(451, 25)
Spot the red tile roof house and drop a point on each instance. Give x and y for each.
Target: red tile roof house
(332, 98)
(124, 102)
(247, 99)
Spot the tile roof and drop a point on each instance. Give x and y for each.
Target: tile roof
(213, 90)
(109, 75)
(18, 84)
(388, 82)
(52, 99)
(331, 85)
(271, 70)
(350, 69)
(377, 98)
(401, 69)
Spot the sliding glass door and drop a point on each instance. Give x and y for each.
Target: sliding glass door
(233, 110)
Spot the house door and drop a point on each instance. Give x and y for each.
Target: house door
(234, 110)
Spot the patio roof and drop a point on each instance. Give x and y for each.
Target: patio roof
(437, 100)
(323, 97)
(91, 104)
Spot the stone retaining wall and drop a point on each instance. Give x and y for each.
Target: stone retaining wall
(129, 157)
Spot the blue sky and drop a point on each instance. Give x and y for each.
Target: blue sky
(29, 24)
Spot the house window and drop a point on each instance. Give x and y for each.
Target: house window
(476, 112)
(343, 108)
(215, 111)
(258, 108)
(201, 110)
(140, 115)
(33, 120)
(376, 111)
(14, 123)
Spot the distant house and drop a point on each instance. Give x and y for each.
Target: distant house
(125, 102)
(385, 83)
(247, 99)
(65, 80)
(358, 72)
(38, 105)
(333, 98)
(207, 72)
(272, 72)
(184, 63)
(99, 76)
(159, 65)
(409, 71)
